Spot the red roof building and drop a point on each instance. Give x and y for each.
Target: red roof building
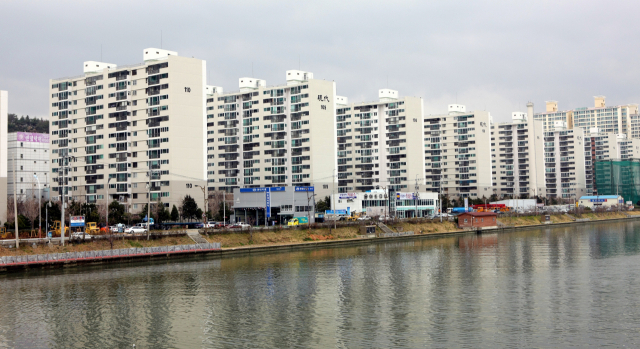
(477, 220)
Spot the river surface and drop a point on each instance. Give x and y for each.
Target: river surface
(555, 287)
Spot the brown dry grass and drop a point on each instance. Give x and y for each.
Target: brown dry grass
(284, 236)
(26, 249)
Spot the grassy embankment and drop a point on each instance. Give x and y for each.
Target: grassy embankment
(299, 235)
(26, 249)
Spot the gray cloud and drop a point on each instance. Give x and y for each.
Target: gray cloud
(491, 55)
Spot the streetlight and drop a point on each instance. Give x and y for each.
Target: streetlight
(108, 180)
(39, 211)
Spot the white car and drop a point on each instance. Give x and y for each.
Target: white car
(135, 230)
(385, 218)
(364, 218)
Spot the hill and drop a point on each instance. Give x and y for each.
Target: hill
(27, 124)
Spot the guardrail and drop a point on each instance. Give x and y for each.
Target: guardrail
(50, 258)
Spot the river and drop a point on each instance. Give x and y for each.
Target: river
(552, 287)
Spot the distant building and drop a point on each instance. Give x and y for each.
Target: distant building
(4, 119)
(565, 163)
(31, 151)
(376, 203)
(612, 119)
(477, 220)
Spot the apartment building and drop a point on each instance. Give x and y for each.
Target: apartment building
(130, 133)
(277, 136)
(607, 119)
(458, 153)
(377, 143)
(608, 147)
(565, 163)
(4, 124)
(31, 154)
(517, 162)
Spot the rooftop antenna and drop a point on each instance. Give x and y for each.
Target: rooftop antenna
(298, 62)
(100, 52)
(251, 69)
(160, 38)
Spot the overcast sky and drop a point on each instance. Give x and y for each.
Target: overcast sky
(488, 55)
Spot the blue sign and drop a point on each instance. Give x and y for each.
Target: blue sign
(598, 200)
(268, 195)
(304, 188)
(336, 212)
(260, 190)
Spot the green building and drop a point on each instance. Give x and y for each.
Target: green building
(619, 177)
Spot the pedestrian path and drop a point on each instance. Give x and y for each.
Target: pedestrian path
(196, 237)
(385, 229)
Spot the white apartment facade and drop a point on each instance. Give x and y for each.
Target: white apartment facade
(606, 119)
(517, 161)
(272, 136)
(4, 124)
(457, 149)
(31, 154)
(130, 133)
(378, 143)
(565, 164)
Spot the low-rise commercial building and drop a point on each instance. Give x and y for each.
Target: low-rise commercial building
(31, 154)
(477, 220)
(376, 203)
(601, 201)
(272, 205)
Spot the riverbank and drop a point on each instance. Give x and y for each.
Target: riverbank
(258, 241)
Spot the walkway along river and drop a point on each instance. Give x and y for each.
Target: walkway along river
(548, 287)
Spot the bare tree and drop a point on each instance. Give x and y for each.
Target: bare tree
(30, 209)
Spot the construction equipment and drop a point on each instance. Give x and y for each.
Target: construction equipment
(92, 229)
(56, 229)
(4, 234)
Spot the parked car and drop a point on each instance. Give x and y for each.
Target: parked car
(364, 218)
(136, 229)
(210, 225)
(385, 218)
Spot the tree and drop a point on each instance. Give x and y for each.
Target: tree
(175, 215)
(116, 212)
(189, 208)
(30, 210)
(198, 214)
(324, 204)
(162, 214)
(219, 216)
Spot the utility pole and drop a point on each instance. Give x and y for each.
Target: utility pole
(415, 197)
(206, 206)
(39, 210)
(107, 219)
(333, 208)
(15, 199)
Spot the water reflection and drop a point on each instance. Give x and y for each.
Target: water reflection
(537, 288)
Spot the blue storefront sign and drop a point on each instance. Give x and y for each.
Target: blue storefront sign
(268, 195)
(304, 188)
(336, 212)
(598, 200)
(260, 190)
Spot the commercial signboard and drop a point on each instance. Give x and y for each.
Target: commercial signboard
(598, 200)
(261, 190)
(77, 221)
(32, 137)
(343, 212)
(304, 188)
(268, 197)
(348, 196)
(405, 196)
